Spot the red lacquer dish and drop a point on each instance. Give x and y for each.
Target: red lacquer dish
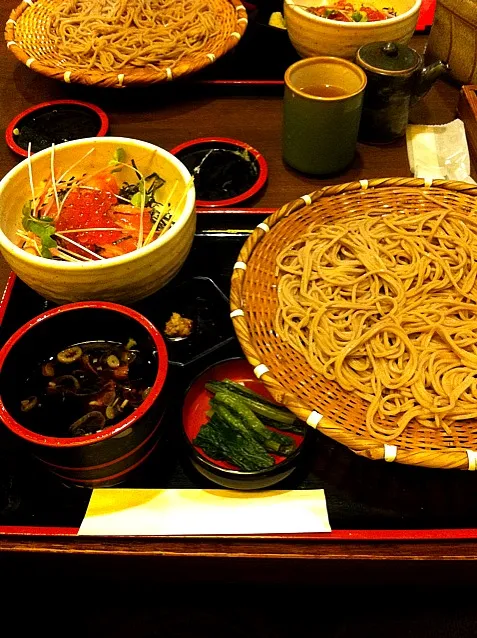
(226, 171)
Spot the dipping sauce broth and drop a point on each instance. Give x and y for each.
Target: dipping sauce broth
(85, 388)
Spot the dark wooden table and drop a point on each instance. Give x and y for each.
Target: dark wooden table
(167, 116)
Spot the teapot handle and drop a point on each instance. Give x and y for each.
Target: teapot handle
(427, 76)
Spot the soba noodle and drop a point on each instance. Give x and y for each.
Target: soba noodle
(108, 35)
(385, 304)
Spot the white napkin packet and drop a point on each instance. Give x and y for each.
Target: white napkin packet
(439, 151)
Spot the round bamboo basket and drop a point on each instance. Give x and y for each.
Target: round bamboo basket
(321, 403)
(29, 38)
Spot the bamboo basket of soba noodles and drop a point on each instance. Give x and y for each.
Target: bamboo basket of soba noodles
(356, 305)
(118, 43)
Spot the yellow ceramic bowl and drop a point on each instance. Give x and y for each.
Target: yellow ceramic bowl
(123, 279)
(313, 36)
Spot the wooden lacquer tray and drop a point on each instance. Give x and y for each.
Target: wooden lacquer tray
(367, 500)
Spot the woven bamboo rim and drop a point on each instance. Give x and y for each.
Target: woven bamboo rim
(27, 37)
(324, 404)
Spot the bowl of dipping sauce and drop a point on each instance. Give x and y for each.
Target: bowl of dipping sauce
(82, 385)
(53, 123)
(223, 400)
(226, 172)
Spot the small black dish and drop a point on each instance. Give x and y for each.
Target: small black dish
(226, 172)
(53, 123)
(200, 300)
(194, 415)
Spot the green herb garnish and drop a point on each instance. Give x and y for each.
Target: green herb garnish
(41, 227)
(146, 192)
(119, 157)
(139, 199)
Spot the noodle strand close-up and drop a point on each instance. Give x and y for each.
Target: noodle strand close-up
(384, 304)
(109, 35)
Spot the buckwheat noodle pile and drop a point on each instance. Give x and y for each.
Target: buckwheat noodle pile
(386, 305)
(108, 35)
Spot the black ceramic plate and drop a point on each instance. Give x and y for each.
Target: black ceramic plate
(201, 301)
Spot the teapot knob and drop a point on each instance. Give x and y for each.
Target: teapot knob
(390, 49)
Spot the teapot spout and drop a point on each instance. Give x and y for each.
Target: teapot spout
(427, 77)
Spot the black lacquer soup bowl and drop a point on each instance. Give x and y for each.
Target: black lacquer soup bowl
(82, 386)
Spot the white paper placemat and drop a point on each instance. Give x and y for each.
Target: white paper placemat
(137, 512)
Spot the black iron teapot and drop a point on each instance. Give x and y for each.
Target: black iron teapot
(397, 78)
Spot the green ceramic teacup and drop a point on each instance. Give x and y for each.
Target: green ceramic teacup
(321, 114)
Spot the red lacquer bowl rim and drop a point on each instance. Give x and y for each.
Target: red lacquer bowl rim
(68, 442)
(9, 137)
(231, 201)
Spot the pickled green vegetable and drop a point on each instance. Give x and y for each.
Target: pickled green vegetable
(239, 428)
(274, 415)
(223, 442)
(272, 441)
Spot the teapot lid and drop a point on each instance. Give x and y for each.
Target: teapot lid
(388, 58)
